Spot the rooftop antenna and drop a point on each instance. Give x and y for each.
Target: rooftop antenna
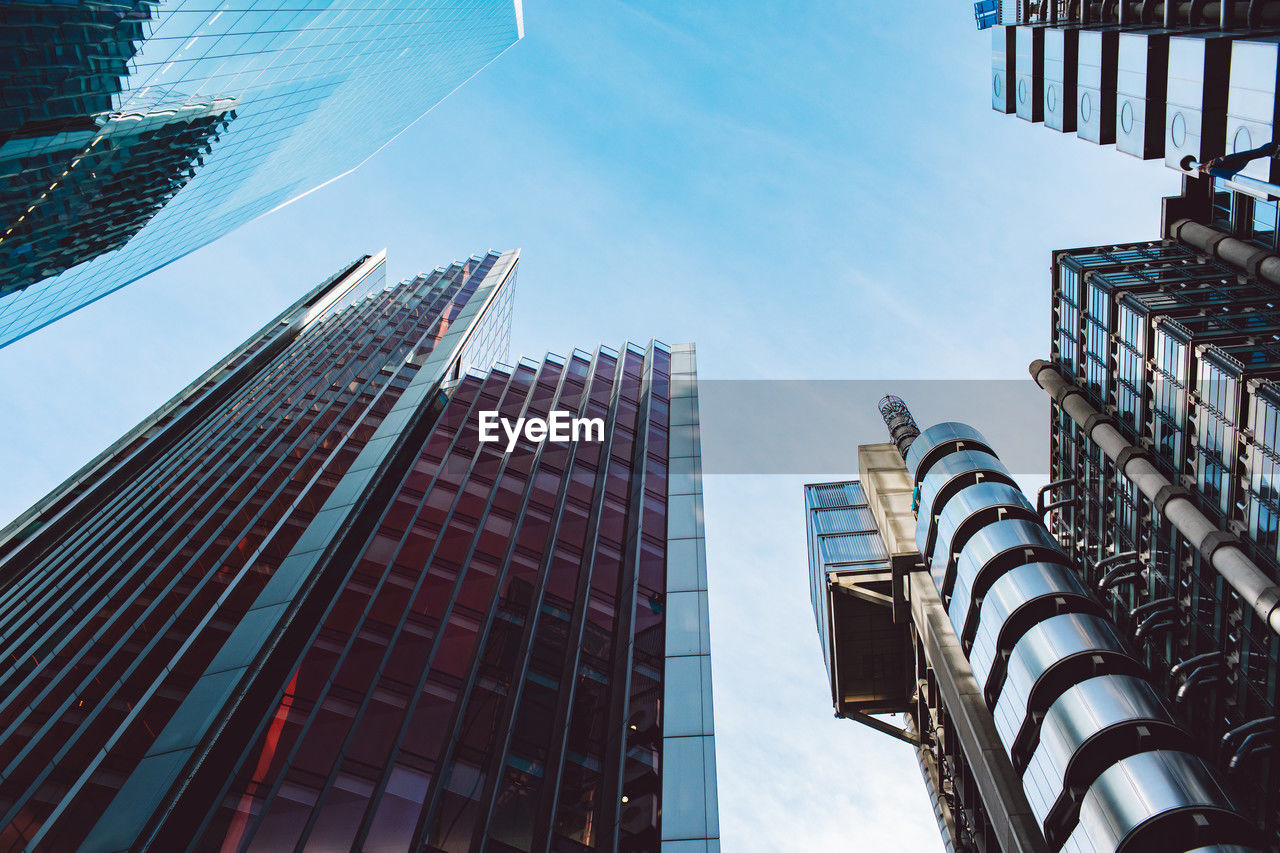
(897, 417)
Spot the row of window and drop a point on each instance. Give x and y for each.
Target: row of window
(1246, 217)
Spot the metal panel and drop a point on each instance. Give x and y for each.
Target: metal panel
(844, 519)
(1029, 66)
(1175, 788)
(852, 547)
(1196, 115)
(1040, 649)
(931, 444)
(1096, 82)
(1142, 72)
(990, 552)
(994, 639)
(1092, 725)
(970, 508)
(946, 477)
(1061, 57)
(1251, 102)
(1003, 51)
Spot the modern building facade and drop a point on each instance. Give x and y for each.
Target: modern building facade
(1183, 82)
(1163, 356)
(1036, 722)
(1163, 444)
(135, 131)
(305, 605)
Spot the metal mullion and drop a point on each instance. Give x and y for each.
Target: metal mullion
(172, 462)
(119, 584)
(615, 746)
(231, 371)
(428, 809)
(52, 575)
(92, 675)
(549, 801)
(159, 634)
(74, 789)
(318, 474)
(105, 516)
(147, 694)
(362, 829)
(380, 786)
(270, 795)
(506, 724)
(83, 534)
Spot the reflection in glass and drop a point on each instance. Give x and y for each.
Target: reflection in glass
(136, 131)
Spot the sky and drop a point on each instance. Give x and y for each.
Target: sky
(807, 191)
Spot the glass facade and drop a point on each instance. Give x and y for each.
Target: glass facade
(1189, 346)
(134, 132)
(876, 666)
(842, 535)
(1177, 342)
(305, 606)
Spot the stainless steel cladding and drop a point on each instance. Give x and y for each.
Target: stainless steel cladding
(1020, 598)
(1092, 725)
(1052, 656)
(951, 474)
(1159, 800)
(940, 440)
(991, 552)
(971, 509)
(1104, 763)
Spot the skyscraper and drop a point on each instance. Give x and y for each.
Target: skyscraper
(135, 131)
(942, 596)
(1163, 357)
(308, 604)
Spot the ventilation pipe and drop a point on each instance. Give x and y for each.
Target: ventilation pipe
(1218, 548)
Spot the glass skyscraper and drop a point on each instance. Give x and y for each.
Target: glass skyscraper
(305, 605)
(135, 131)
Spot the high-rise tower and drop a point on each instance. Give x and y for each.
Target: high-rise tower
(135, 131)
(308, 603)
(1163, 359)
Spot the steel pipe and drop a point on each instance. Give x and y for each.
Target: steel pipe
(1232, 177)
(1244, 576)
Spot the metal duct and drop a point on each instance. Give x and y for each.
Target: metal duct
(1051, 657)
(971, 509)
(949, 477)
(1243, 575)
(992, 551)
(941, 440)
(1103, 761)
(1021, 599)
(1093, 725)
(1158, 800)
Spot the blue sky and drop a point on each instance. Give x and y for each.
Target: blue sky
(805, 190)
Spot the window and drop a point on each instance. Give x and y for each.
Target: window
(1221, 205)
(1215, 449)
(1263, 230)
(1169, 396)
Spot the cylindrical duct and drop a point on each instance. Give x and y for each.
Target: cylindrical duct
(1105, 764)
